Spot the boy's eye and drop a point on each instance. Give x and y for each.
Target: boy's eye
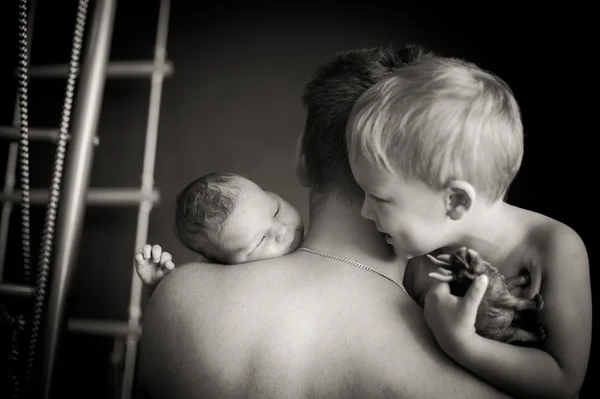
(277, 212)
(376, 198)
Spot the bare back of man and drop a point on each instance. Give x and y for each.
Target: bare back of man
(299, 326)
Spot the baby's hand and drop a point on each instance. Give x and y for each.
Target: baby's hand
(152, 264)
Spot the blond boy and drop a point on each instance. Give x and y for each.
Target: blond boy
(435, 147)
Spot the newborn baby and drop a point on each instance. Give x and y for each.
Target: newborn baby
(227, 219)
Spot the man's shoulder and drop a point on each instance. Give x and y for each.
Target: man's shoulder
(179, 292)
(414, 366)
(389, 348)
(170, 318)
(188, 276)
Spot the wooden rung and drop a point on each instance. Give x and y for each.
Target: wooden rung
(16, 290)
(51, 135)
(112, 328)
(95, 196)
(114, 69)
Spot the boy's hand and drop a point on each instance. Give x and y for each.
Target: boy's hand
(152, 264)
(452, 318)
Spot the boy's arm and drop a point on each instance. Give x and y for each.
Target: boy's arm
(559, 370)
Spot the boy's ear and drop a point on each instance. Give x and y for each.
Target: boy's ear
(301, 173)
(459, 198)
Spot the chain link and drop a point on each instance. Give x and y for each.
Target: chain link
(353, 263)
(51, 209)
(18, 322)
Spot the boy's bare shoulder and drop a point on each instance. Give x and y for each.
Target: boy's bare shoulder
(551, 240)
(555, 256)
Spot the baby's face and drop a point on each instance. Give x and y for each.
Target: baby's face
(261, 226)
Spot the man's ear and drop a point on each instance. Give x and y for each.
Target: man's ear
(301, 173)
(459, 198)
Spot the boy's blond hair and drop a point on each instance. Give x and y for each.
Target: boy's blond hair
(440, 119)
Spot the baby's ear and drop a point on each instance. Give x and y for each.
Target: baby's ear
(459, 198)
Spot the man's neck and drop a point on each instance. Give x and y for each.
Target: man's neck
(337, 228)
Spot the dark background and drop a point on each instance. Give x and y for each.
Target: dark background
(234, 104)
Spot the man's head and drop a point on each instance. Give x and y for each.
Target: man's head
(329, 97)
(229, 219)
(429, 140)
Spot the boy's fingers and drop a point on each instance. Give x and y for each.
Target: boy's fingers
(476, 291)
(444, 258)
(439, 288)
(436, 261)
(441, 277)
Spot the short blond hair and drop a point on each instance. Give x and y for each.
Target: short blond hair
(439, 119)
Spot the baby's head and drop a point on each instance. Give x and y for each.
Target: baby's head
(436, 129)
(229, 219)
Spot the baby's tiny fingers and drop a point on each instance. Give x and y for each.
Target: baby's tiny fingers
(164, 257)
(139, 258)
(158, 275)
(169, 265)
(147, 251)
(156, 252)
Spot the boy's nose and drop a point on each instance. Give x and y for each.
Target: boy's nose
(365, 210)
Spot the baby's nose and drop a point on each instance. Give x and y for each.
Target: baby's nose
(280, 232)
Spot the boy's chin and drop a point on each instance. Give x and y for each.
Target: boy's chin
(404, 253)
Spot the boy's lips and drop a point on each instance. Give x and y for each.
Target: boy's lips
(385, 234)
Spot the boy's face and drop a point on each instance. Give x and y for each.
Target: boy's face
(411, 215)
(261, 226)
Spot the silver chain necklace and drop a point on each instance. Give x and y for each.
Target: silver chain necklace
(353, 263)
